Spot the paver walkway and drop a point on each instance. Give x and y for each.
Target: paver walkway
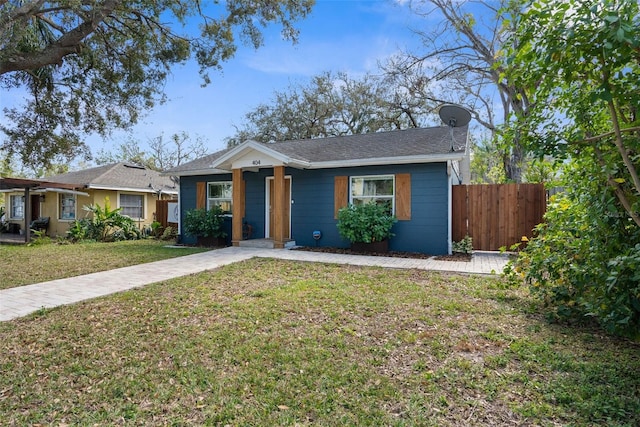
(23, 300)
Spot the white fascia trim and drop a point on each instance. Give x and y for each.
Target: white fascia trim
(45, 190)
(344, 163)
(197, 172)
(253, 145)
(63, 191)
(129, 189)
(387, 161)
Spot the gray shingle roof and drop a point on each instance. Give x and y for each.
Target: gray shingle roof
(418, 142)
(401, 143)
(118, 176)
(199, 164)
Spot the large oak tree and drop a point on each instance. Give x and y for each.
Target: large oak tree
(333, 104)
(88, 66)
(461, 61)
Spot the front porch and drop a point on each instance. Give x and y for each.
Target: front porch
(12, 239)
(264, 244)
(278, 204)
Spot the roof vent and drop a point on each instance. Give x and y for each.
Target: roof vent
(133, 166)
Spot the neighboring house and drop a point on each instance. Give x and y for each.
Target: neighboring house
(286, 191)
(61, 198)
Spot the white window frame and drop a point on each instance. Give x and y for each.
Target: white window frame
(370, 198)
(216, 201)
(13, 206)
(142, 208)
(61, 197)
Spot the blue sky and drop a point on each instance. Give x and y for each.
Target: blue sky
(339, 35)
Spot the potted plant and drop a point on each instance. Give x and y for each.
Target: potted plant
(366, 226)
(206, 225)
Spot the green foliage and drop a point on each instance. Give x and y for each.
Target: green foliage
(205, 223)
(585, 260)
(39, 238)
(365, 223)
(89, 67)
(79, 230)
(334, 105)
(156, 229)
(583, 58)
(169, 233)
(104, 225)
(464, 246)
(487, 166)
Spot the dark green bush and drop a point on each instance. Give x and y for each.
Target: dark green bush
(205, 223)
(464, 246)
(169, 233)
(585, 260)
(365, 223)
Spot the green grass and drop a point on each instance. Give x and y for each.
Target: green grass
(271, 342)
(24, 265)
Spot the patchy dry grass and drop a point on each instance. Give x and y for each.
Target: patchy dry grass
(270, 342)
(24, 265)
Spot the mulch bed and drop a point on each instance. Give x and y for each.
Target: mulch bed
(395, 254)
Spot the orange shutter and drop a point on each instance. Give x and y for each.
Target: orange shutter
(340, 194)
(403, 196)
(201, 195)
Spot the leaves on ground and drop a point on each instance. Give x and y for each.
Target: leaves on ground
(273, 342)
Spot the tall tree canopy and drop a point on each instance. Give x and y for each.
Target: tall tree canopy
(333, 105)
(584, 58)
(163, 153)
(89, 66)
(461, 62)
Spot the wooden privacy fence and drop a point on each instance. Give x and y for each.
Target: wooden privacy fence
(496, 215)
(162, 212)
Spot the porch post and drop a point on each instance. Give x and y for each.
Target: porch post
(27, 215)
(279, 207)
(238, 199)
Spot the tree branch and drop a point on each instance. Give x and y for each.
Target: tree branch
(618, 191)
(68, 44)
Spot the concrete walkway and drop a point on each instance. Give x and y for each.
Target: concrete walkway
(23, 300)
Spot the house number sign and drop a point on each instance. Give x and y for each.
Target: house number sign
(255, 162)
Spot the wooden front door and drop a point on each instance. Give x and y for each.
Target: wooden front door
(270, 213)
(35, 206)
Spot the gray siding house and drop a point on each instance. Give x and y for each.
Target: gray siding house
(286, 191)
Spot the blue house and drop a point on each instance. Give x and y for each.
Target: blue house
(285, 191)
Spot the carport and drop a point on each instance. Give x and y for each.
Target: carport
(28, 187)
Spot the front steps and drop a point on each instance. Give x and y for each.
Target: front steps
(264, 243)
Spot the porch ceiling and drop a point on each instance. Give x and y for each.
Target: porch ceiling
(10, 184)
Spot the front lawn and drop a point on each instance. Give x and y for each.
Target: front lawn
(24, 265)
(272, 342)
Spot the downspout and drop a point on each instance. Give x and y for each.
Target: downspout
(176, 180)
(179, 213)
